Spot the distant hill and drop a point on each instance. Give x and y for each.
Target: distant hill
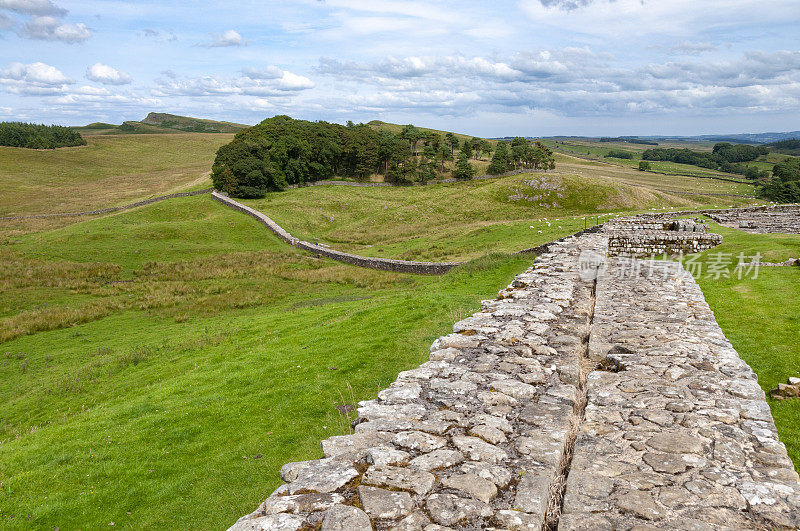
(191, 125)
(787, 147)
(396, 128)
(161, 123)
(738, 138)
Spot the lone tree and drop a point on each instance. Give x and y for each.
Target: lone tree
(644, 165)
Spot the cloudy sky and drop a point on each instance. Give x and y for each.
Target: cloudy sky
(529, 67)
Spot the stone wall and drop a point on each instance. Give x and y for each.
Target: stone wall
(385, 264)
(658, 242)
(569, 402)
(776, 219)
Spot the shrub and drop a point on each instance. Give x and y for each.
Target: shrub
(644, 165)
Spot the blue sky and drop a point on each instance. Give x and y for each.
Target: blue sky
(531, 67)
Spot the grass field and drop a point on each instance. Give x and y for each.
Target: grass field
(454, 221)
(109, 171)
(162, 371)
(761, 315)
(598, 151)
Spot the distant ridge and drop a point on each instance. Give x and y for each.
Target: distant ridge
(742, 138)
(191, 125)
(160, 123)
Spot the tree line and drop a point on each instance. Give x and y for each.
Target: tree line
(784, 186)
(789, 147)
(519, 154)
(724, 157)
(282, 151)
(38, 136)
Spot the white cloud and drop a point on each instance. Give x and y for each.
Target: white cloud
(160, 35)
(692, 48)
(33, 7)
(6, 22)
(270, 72)
(107, 75)
(33, 79)
(51, 29)
(568, 82)
(637, 18)
(268, 82)
(227, 38)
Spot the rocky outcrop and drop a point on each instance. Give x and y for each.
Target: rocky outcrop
(791, 389)
(580, 398)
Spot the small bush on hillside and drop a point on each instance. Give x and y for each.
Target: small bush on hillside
(38, 136)
(644, 165)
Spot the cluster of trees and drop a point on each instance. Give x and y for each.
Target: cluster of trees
(789, 147)
(784, 186)
(281, 151)
(619, 154)
(521, 153)
(724, 157)
(38, 136)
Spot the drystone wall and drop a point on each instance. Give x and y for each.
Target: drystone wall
(385, 264)
(654, 236)
(655, 243)
(578, 399)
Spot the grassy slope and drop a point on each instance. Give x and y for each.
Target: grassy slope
(761, 316)
(598, 151)
(164, 420)
(453, 221)
(110, 170)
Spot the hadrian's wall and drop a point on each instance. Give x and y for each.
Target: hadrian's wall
(385, 264)
(656, 243)
(590, 394)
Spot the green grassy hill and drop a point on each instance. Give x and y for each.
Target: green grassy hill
(191, 125)
(109, 171)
